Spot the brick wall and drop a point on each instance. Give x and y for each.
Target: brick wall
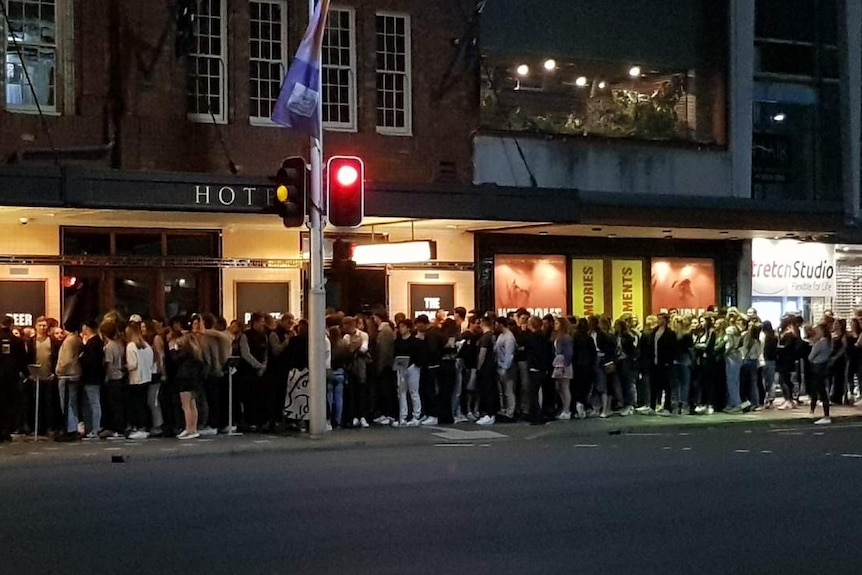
(150, 115)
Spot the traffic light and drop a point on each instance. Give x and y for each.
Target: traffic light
(290, 182)
(345, 176)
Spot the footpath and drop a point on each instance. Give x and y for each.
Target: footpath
(26, 451)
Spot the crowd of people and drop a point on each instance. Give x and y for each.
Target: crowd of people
(136, 379)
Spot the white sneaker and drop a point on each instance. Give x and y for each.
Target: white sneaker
(381, 420)
(664, 413)
(823, 421)
(461, 419)
(363, 424)
(192, 435)
(643, 410)
(328, 427)
(396, 423)
(486, 420)
(355, 422)
(472, 416)
(627, 411)
(139, 435)
(429, 421)
(582, 413)
(710, 410)
(604, 415)
(564, 416)
(700, 409)
(412, 423)
(207, 431)
(745, 405)
(183, 434)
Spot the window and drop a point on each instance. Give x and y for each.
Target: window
(393, 74)
(207, 75)
(31, 63)
(339, 71)
(267, 57)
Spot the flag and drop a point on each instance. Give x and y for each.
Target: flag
(297, 105)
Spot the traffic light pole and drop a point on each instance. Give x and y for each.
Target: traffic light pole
(317, 291)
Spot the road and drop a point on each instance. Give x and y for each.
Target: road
(724, 501)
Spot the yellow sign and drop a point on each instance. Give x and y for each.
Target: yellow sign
(628, 286)
(588, 287)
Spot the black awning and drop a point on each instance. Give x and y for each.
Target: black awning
(666, 33)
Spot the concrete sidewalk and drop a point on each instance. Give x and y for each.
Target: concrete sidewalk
(24, 451)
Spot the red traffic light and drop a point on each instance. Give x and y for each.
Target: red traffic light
(346, 191)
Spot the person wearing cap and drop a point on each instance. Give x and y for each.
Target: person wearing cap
(135, 318)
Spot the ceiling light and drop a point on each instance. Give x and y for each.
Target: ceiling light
(543, 233)
(550, 65)
(395, 253)
(635, 71)
(603, 85)
(581, 81)
(612, 235)
(779, 117)
(523, 70)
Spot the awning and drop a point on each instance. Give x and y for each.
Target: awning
(661, 33)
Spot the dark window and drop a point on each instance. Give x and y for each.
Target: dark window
(138, 244)
(79, 243)
(199, 245)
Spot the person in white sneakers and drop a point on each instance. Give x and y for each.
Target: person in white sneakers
(140, 364)
(407, 352)
(486, 374)
(819, 359)
(189, 381)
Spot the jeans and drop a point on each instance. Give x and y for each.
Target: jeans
(408, 382)
(749, 369)
(626, 375)
(114, 395)
(72, 391)
(335, 395)
(155, 405)
(506, 390)
(680, 383)
(94, 401)
(732, 368)
(523, 388)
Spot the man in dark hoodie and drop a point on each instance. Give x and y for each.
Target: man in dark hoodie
(92, 374)
(539, 355)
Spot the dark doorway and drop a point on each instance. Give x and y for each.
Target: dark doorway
(356, 290)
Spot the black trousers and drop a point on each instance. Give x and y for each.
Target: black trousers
(659, 382)
(489, 397)
(172, 411)
(445, 388)
(114, 406)
(137, 413)
(817, 390)
(539, 381)
(384, 396)
(582, 387)
(9, 404)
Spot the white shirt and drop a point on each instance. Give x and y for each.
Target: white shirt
(140, 363)
(363, 337)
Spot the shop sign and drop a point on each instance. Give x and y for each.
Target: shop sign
(536, 283)
(790, 268)
(588, 287)
(428, 298)
(22, 300)
(686, 285)
(627, 283)
(271, 298)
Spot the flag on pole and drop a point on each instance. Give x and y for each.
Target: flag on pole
(297, 105)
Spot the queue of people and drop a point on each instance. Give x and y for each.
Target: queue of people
(137, 379)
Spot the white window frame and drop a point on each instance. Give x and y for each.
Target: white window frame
(407, 129)
(285, 55)
(350, 126)
(64, 62)
(221, 115)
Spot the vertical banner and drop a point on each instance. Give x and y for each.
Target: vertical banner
(628, 285)
(588, 287)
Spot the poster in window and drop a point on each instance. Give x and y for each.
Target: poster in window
(627, 285)
(22, 300)
(588, 287)
(687, 285)
(536, 283)
(428, 298)
(271, 298)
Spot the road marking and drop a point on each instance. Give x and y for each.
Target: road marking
(684, 434)
(586, 445)
(454, 445)
(852, 455)
(188, 444)
(485, 445)
(667, 448)
(460, 435)
(262, 441)
(643, 434)
(742, 451)
(686, 448)
(819, 433)
(766, 452)
(52, 449)
(112, 448)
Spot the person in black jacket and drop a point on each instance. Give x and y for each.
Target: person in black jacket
(539, 355)
(13, 364)
(407, 346)
(664, 347)
(92, 375)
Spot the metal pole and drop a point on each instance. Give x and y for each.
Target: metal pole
(36, 426)
(317, 292)
(231, 369)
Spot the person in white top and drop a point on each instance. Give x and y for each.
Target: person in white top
(140, 364)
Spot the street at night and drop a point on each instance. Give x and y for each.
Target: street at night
(735, 499)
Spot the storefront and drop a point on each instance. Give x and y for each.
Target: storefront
(613, 277)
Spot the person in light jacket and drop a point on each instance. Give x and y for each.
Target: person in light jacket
(140, 365)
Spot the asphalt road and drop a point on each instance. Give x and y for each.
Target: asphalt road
(705, 501)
